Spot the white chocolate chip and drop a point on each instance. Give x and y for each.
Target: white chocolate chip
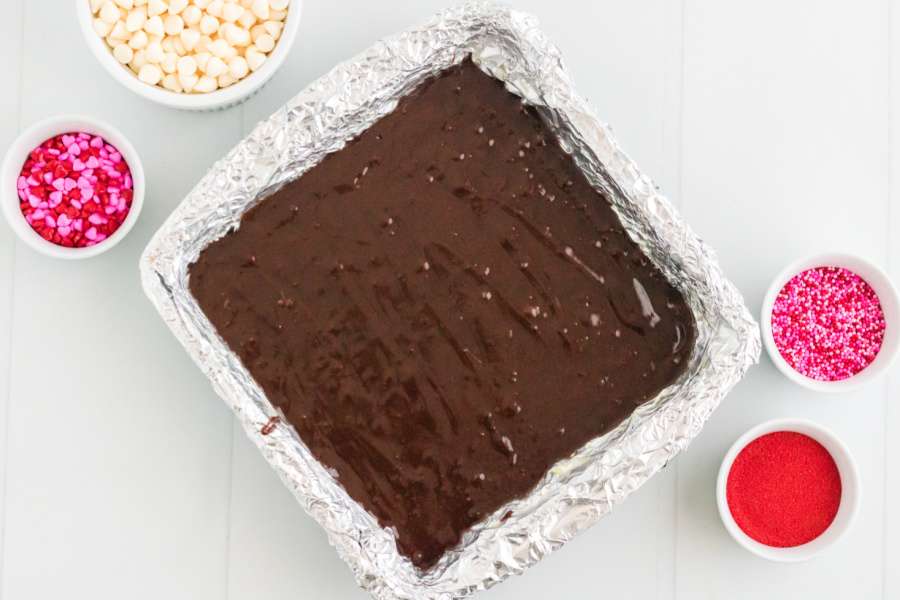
(138, 40)
(279, 4)
(206, 84)
(202, 59)
(101, 27)
(202, 4)
(136, 19)
(156, 7)
(188, 82)
(247, 20)
(226, 80)
(120, 32)
(277, 15)
(169, 62)
(154, 52)
(264, 43)
(274, 28)
(215, 67)
(96, 5)
(209, 25)
(189, 39)
(191, 15)
(123, 53)
(260, 8)
(139, 60)
(177, 6)
(110, 13)
(215, 8)
(150, 74)
(238, 67)
(154, 26)
(220, 48)
(231, 11)
(255, 58)
(187, 65)
(237, 36)
(173, 24)
(171, 83)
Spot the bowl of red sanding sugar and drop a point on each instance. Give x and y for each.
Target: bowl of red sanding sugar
(72, 187)
(831, 322)
(787, 490)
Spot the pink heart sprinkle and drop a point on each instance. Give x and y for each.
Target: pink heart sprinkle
(59, 184)
(91, 233)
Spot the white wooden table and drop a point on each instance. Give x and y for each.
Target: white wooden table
(773, 125)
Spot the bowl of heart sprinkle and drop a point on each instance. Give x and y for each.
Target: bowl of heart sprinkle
(76, 191)
(787, 490)
(829, 323)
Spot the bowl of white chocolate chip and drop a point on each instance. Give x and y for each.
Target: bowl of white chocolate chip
(191, 54)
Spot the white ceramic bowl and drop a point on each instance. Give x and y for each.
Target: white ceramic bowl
(890, 304)
(850, 492)
(33, 137)
(219, 99)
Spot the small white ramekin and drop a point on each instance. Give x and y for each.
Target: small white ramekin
(33, 137)
(220, 99)
(850, 491)
(890, 304)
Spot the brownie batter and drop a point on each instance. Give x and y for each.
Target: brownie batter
(444, 309)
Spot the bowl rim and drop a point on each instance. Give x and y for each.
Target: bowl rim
(221, 98)
(887, 293)
(32, 137)
(850, 490)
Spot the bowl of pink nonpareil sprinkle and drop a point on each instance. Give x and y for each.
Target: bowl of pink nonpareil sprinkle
(831, 322)
(72, 187)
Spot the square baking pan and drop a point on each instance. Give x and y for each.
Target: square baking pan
(577, 491)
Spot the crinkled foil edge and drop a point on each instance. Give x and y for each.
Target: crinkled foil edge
(578, 491)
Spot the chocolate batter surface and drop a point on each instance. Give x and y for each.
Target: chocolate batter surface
(444, 309)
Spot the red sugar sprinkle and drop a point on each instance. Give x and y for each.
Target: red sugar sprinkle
(784, 489)
(828, 323)
(75, 190)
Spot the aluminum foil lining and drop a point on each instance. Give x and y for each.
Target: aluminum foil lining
(577, 491)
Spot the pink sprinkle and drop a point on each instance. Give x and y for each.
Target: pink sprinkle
(828, 323)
